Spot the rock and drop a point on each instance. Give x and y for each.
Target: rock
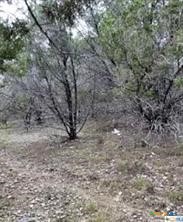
(116, 132)
(27, 219)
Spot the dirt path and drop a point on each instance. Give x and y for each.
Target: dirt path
(34, 189)
(74, 182)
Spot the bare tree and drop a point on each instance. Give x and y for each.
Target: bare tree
(55, 75)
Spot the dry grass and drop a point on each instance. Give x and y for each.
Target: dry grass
(106, 177)
(176, 197)
(100, 217)
(143, 184)
(131, 166)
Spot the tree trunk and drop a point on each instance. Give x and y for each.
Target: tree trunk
(72, 134)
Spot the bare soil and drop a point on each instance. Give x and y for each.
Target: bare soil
(97, 178)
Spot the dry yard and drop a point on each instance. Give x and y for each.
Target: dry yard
(101, 177)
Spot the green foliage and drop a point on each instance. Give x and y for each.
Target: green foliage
(66, 11)
(179, 82)
(17, 67)
(143, 35)
(109, 35)
(12, 43)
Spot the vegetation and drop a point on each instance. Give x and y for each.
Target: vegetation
(131, 50)
(176, 196)
(91, 105)
(12, 38)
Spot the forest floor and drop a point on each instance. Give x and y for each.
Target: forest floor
(97, 178)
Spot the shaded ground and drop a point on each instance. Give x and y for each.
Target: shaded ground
(94, 179)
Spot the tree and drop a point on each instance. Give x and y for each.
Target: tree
(146, 37)
(55, 63)
(13, 63)
(12, 43)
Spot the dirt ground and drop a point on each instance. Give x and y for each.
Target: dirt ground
(97, 178)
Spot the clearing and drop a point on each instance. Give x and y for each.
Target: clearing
(98, 178)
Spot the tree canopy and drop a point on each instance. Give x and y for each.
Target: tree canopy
(130, 48)
(12, 43)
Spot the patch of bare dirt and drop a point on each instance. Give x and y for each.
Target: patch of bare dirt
(93, 179)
